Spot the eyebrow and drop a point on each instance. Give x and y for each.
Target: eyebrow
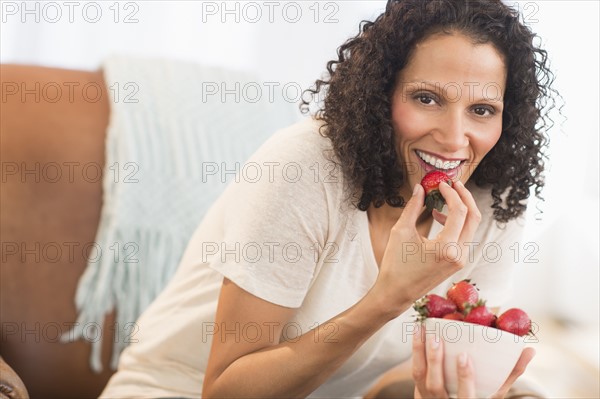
(493, 89)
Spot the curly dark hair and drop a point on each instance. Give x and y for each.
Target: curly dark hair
(357, 105)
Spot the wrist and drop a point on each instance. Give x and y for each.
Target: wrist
(384, 305)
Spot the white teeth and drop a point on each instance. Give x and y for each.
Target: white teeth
(436, 162)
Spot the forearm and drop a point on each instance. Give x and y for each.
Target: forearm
(295, 369)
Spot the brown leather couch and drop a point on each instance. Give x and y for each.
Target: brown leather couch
(48, 206)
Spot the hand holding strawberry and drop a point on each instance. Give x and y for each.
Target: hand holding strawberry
(404, 275)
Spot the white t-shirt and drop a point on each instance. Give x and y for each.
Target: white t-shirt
(284, 233)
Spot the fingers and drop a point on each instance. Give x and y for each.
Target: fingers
(457, 213)
(413, 208)
(466, 377)
(427, 369)
(461, 222)
(419, 363)
(473, 215)
(526, 357)
(434, 353)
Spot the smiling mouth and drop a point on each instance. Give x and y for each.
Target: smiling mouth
(438, 163)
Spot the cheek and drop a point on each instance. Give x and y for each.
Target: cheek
(488, 140)
(408, 124)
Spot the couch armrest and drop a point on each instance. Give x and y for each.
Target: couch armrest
(41, 134)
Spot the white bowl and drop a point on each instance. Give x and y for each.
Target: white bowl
(493, 352)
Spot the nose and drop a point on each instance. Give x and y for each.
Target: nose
(451, 132)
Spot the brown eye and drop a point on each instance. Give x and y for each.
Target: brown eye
(484, 111)
(425, 99)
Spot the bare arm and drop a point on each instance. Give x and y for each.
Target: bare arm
(260, 366)
(289, 369)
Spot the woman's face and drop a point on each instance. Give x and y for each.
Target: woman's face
(447, 107)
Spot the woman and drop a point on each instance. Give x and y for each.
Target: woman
(300, 279)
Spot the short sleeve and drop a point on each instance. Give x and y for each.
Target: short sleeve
(275, 215)
(497, 259)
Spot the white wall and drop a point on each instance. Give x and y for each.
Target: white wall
(565, 281)
(281, 41)
(280, 50)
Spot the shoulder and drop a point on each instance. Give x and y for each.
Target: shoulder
(301, 141)
(303, 155)
(295, 162)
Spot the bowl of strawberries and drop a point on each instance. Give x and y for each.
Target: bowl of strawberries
(465, 325)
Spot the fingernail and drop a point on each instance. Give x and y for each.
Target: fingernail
(462, 360)
(415, 189)
(459, 183)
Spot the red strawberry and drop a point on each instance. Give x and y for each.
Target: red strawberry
(514, 321)
(462, 294)
(434, 306)
(481, 315)
(431, 183)
(454, 316)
